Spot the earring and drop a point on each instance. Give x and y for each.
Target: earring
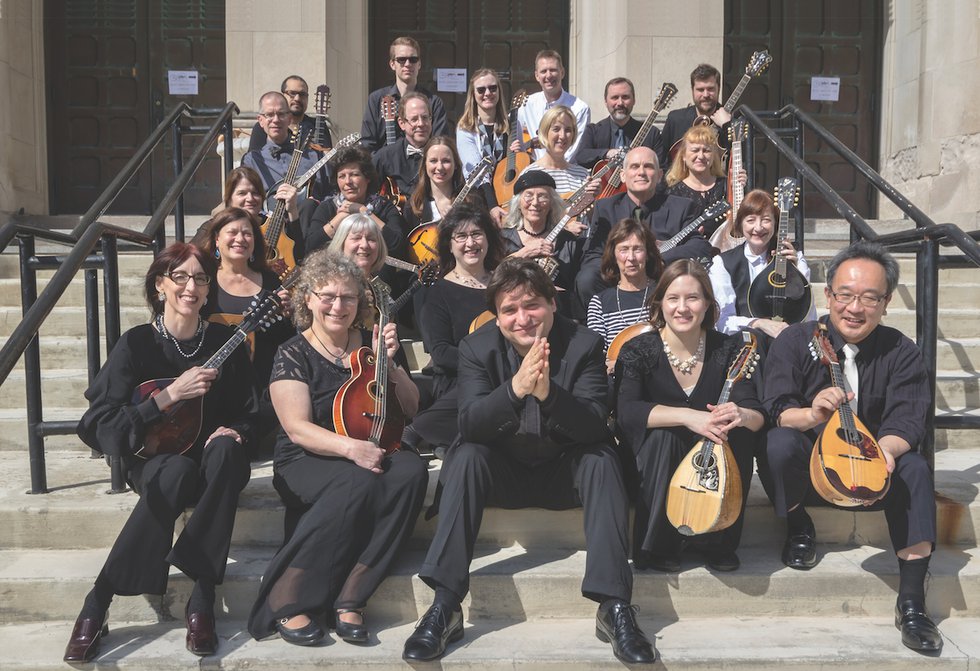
(161, 296)
(217, 254)
(251, 258)
(205, 300)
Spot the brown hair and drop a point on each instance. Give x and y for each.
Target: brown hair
(515, 272)
(355, 155)
(237, 175)
(704, 72)
(471, 117)
(423, 186)
(757, 202)
(622, 231)
(679, 268)
(461, 215)
(705, 135)
(548, 53)
(321, 267)
(618, 80)
(227, 216)
(412, 95)
(405, 42)
(167, 260)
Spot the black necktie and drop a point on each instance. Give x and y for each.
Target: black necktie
(620, 139)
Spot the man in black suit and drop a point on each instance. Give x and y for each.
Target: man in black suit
(532, 422)
(604, 139)
(705, 90)
(400, 161)
(665, 215)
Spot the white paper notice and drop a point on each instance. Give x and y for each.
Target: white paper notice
(451, 80)
(182, 82)
(825, 88)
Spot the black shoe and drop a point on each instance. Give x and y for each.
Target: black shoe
(800, 549)
(919, 632)
(352, 633)
(309, 634)
(437, 628)
(665, 562)
(615, 622)
(83, 646)
(201, 638)
(723, 560)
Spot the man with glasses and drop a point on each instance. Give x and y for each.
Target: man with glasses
(888, 389)
(405, 62)
(271, 161)
(400, 161)
(297, 94)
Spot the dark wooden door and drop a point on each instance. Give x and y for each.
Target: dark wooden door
(829, 38)
(107, 68)
(469, 34)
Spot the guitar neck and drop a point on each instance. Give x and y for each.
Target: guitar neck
(475, 176)
(682, 234)
(277, 220)
(390, 134)
(311, 173)
(219, 357)
(780, 265)
(735, 167)
(401, 265)
(402, 301)
(380, 369)
(737, 93)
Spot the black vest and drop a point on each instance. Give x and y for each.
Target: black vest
(738, 269)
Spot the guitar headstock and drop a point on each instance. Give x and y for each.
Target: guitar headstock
(429, 273)
(716, 210)
(348, 141)
(579, 205)
(744, 365)
(758, 63)
(262, 314)
(664, 98)
(321, 101)
(787, 194)
(382, 297)
(518, 100)
(619, 158)
(389, 108)
(738, 130)
(820, 348)
(485, 165)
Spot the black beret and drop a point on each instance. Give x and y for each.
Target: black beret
(532, 178)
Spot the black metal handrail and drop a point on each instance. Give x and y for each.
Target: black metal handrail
(83, 240)
(927, 236)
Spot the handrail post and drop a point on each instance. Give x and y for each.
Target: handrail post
(748, 159)
(798, 213)
(926, 333)
(229, 148)
(113, 329)
(93, 347)
(178, 167)
(32, 371)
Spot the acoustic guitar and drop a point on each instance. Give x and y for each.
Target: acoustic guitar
(514, 163)
(780, 291)
(624, 336)
(613, 184)
(321, 108)
(758, 63)
(847, 467)
(389, 111)
(705, 492)
(180, 425)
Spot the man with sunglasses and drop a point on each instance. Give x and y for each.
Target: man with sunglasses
(297, 93)
(888, 389)
(605, 138)
(405, 62)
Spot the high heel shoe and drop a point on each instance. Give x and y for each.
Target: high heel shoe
(352, 633)
(83, 646)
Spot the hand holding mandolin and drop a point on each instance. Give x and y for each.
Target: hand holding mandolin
(192, 383)
(826, 403)
(365, 454)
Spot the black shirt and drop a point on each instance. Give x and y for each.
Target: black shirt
(373, 124)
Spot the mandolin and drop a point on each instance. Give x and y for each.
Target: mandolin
(389, 110)
(714, 212)
(321, 107)
(423, 240)
(614, 183)
(514, 163)
(758, 63)
(361, 408)
(580, 201)
(705, 492)
(725, 238)
(847, 467)
(780, 291)
(624, 336)
(180, 425)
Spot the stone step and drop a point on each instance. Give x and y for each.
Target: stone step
(78, 512)
(734, 643)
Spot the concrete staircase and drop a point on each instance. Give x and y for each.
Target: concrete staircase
(525, 608)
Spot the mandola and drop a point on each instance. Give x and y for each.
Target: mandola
(705, 493)
(847, 467)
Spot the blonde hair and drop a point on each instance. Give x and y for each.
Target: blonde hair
(549, 118)
(471, 117)
(705, 135)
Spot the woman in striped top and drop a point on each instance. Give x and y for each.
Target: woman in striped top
(631, 264)
(557, 133)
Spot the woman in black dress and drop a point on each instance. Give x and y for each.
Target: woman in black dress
(669, 381)
(349, 507)
(440, 180)
(696, 172)
(209, 476)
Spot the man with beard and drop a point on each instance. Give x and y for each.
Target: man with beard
(297, 93)
(706, 108)
(604, 139)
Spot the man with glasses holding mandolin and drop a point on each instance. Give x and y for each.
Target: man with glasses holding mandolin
(856, 370)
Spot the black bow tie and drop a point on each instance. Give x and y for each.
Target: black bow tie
(278, 150)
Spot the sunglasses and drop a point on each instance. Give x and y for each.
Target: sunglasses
(401, 60)
(492, 88)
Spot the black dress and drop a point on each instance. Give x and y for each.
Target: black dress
(568, 253)
(645, 379)
(351, 523)
(209, 479)
(701, 198)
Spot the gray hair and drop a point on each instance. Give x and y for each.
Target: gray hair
(556, 211)
(317, 270)
(360, 223)
(872, 251)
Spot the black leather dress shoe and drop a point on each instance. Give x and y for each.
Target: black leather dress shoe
(83, 646)
(800, 550)
(201, 638)
(352, 633)
(919, 632)
(615, 622)
(723, 560)
(439, 627)
(309, 634)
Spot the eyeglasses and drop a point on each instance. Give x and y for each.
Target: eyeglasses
(492, 88)
(529, 197)
(401, 60)
(461, 237)
(181, 278)
(269, 116)
(330, 299)
(867, 300)
(296, 94)
(418, 120)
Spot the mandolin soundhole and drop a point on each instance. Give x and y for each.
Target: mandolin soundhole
(707, 475)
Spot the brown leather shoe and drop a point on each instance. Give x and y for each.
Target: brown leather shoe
(83, 646)
(201, 638)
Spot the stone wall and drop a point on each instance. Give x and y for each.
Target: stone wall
(23, 147)
(930, 130)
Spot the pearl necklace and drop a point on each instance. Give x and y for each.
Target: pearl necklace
(687, 365)
(337, 358)
(180, 350)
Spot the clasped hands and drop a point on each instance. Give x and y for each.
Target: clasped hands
(534, 375)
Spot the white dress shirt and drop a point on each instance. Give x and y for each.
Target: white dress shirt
(529, 118)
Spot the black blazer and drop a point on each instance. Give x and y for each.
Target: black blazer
(599, 137)
(677, 123)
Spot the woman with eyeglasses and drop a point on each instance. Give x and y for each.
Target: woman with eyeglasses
(208, 476)
(349, 507)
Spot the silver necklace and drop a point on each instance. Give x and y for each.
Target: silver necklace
(687, 365)
(337, 358)
(642, 303)
(468, 281)
(199, 334)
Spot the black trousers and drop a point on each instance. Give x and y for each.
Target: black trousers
(475, 476)
(909, 505)
(353, 523)
(168, 484)
(438, 424)
(657, 457)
